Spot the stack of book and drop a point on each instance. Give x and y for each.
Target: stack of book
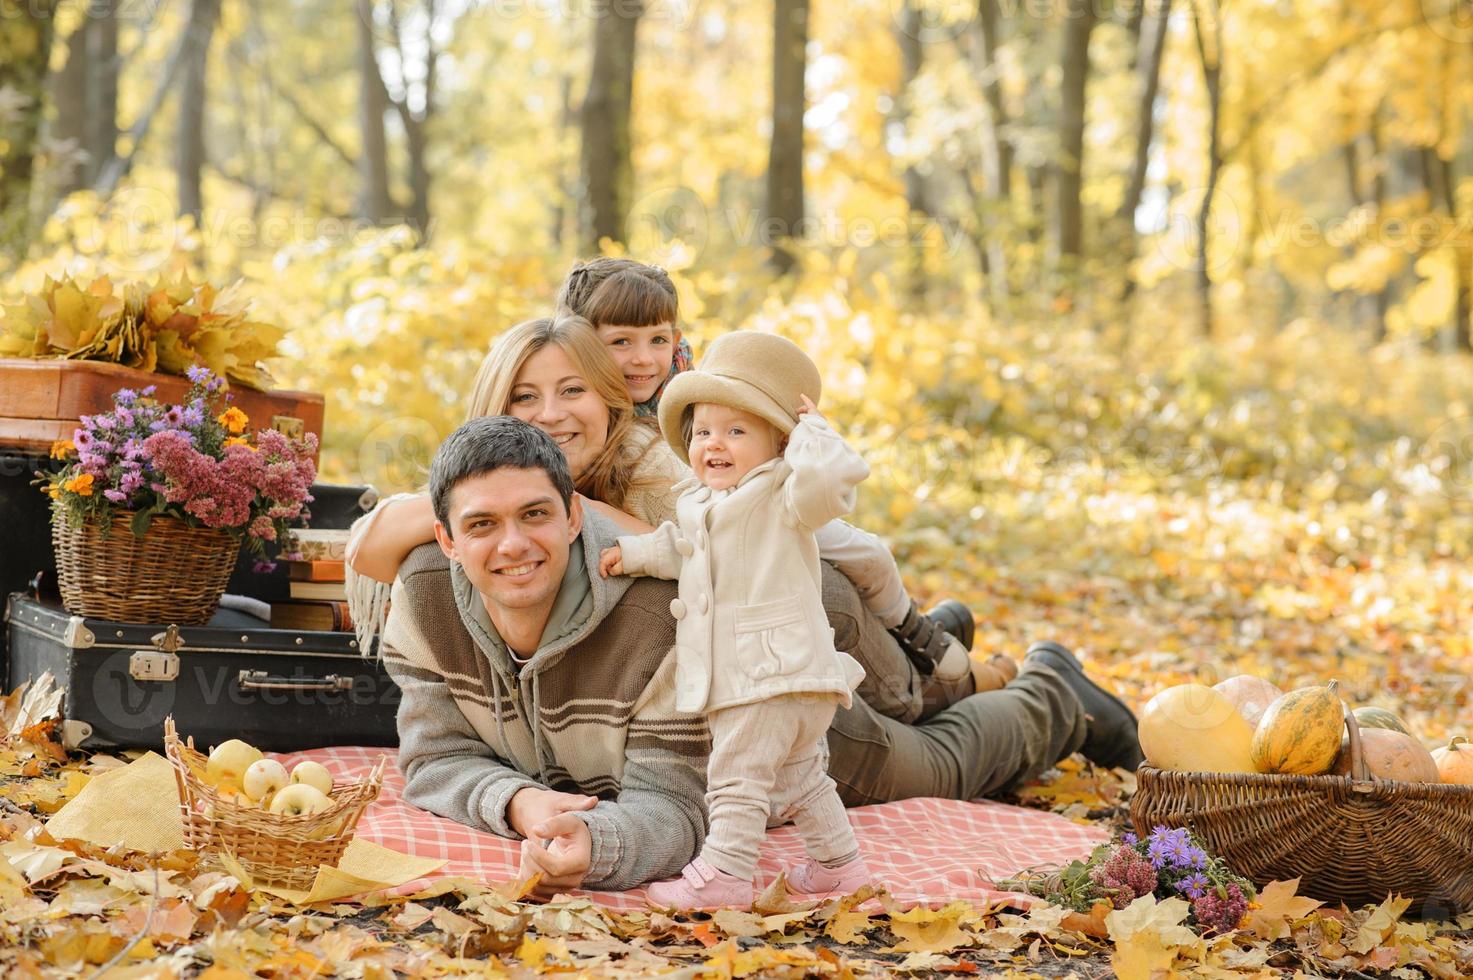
(319, 600)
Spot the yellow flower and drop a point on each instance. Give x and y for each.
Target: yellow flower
(234, 420)
(62, 448)
(81, 485)
(53, 491)
(239, 441)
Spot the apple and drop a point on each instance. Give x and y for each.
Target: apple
(299, 799)
(264, 777)
(313, 774)
(229, 761)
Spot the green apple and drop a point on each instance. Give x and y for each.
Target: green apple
(299, 799)
(313, 774)
(229, 761)
(264, 777)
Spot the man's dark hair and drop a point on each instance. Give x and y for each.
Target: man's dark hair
(491, 443)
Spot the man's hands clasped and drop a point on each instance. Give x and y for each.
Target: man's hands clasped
(558, 845)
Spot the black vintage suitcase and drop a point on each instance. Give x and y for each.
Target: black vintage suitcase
(280, 690)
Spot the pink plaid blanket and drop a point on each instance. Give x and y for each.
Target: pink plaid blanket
(924, 850)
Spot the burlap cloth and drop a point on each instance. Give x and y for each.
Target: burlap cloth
(138, 806)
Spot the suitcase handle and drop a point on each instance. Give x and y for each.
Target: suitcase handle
(259, 680)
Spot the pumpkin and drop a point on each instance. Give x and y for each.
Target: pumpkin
(1455, 761)
(1391, 755)
(1192, 728)
(1250, 695)
(1300, 732)
(1374, 717)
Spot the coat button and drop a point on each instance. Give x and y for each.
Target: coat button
(685, 548)
(677, 608)
(703, 602)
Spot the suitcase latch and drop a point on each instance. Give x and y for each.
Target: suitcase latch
(159, 665)
(288, 425)
(148, 665)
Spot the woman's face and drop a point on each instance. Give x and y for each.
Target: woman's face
(551, 394)
(643, 355)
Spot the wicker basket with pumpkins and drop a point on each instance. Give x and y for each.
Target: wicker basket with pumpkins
(1296, 784)
(277, 825)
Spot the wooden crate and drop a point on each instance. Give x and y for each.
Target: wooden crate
(42, 400)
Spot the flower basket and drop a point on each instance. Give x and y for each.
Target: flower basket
(173, 574)
(153, 502)
(274, 848)
(1352, 839)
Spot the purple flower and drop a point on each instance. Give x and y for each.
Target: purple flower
(132, 449)
(197, 373)
(116, 496)
(194, 415)
(1129, 839)
(1194, 886)
(82, 438)
(106, 422)
(148, 392)
(264, 567)
(131, 482)
(127, 396)
(157, 425)
(174, 416)
(124, 417)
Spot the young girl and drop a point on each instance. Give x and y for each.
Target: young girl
(754, 651)
(633, 307)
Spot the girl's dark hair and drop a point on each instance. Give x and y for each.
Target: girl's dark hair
(620, 293)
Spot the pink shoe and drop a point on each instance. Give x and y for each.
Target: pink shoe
(700, 886)
(812, 878)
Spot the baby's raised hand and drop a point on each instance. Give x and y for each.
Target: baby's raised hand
(611, 562)
(808, 407)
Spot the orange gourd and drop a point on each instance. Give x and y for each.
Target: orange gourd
(1391, 755)
(1454, 762)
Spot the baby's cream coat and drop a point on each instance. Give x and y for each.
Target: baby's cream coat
(750, 620)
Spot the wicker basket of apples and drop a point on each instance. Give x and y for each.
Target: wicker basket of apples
(278, 825)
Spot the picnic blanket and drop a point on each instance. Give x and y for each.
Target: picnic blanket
(924, 850)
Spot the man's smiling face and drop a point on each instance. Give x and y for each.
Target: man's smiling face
(511, 534)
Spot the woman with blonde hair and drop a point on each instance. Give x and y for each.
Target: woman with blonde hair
(554, 373)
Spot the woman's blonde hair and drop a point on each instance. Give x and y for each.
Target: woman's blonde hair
(608, 477)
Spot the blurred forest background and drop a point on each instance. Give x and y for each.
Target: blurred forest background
(1149, 304)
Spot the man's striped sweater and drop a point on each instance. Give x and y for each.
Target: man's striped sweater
(592, 711)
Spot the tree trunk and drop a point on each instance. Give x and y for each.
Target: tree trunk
(1378, 199)
(69, 125)
(1209, 51)
(374, 201)
(190, 151)
(785, 203)
(997, 155)
(606, 158)
(25, 50)
(1079, 22)
(103, 63)
(1148, 82)
(912, 57)
(1447, 183)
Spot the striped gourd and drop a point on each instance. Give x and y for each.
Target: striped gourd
(1300, 732)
